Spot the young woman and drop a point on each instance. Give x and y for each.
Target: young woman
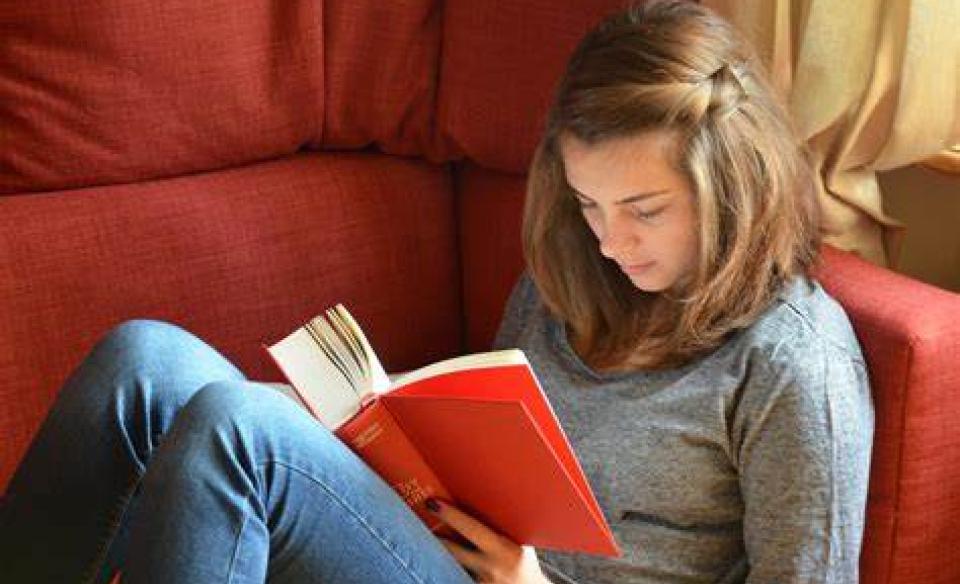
(715, 395)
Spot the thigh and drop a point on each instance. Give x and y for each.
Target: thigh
(249, 487)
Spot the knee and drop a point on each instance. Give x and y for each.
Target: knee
(242, 405)
(139, 339)
(153, 364)
(154, 348)
(135, 355)
(255, 425)
(221, 400)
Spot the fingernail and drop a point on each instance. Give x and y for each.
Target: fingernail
(432, 505)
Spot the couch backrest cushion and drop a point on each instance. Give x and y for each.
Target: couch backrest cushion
(118, 91)
(240, 257)
(381, 74)
(499, 64)
(121, 92)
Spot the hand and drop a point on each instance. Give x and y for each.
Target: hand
(496, 559)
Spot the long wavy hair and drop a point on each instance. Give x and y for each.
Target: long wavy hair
(672, 66)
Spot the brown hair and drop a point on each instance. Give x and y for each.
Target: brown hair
(675, 66)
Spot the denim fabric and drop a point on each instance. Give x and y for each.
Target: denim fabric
(160, 459)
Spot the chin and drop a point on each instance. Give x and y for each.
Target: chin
(656, 280)
(648, 285)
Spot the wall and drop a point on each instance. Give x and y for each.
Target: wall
(928, 203)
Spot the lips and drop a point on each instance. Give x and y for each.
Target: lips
(634, 269)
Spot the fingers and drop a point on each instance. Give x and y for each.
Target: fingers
(479, 534)
(472, 561)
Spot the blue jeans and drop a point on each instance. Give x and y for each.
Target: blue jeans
(160, 459)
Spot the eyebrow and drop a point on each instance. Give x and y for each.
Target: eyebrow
(625, 200)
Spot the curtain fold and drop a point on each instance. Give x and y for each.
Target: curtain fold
(872, 85)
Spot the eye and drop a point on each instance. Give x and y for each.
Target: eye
(584, 204)
(646, 215)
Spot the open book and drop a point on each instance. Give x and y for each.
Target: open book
(476, 431)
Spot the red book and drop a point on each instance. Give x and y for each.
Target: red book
(477, 431)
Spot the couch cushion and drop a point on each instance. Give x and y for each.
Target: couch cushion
(500, 62)
(119, 90)
(240, 257)
(490, 212)
(381, 72)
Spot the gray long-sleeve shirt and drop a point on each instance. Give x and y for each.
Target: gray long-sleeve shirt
(747, 465)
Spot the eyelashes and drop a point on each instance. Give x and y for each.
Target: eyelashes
(635, 212)
(647, 215)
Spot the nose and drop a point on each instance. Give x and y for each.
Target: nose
(616, 239)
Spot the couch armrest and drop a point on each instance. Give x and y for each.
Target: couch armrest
(910, 334)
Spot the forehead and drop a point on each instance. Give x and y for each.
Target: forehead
(623, 166)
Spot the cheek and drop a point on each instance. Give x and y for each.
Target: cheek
(682, 244)
(690, 246)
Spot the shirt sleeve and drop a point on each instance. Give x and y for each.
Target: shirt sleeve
(522, 299)
(803, 433)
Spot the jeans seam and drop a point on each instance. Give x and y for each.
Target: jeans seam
(96, 565)
(119, 510)
(353, 512)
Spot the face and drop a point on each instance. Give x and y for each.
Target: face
(640, 208)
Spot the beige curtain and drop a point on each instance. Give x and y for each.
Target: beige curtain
(872, 85)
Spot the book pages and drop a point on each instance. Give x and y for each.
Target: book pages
(475, 361)
(324, 387)
(332, 366)
(377, 381)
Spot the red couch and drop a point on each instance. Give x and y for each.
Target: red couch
(237, 166)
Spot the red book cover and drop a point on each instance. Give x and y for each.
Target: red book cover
(491, 438)
(374, 436)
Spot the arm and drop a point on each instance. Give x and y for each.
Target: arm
(803, 433)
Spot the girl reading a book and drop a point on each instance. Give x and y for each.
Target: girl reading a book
(714, 393)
